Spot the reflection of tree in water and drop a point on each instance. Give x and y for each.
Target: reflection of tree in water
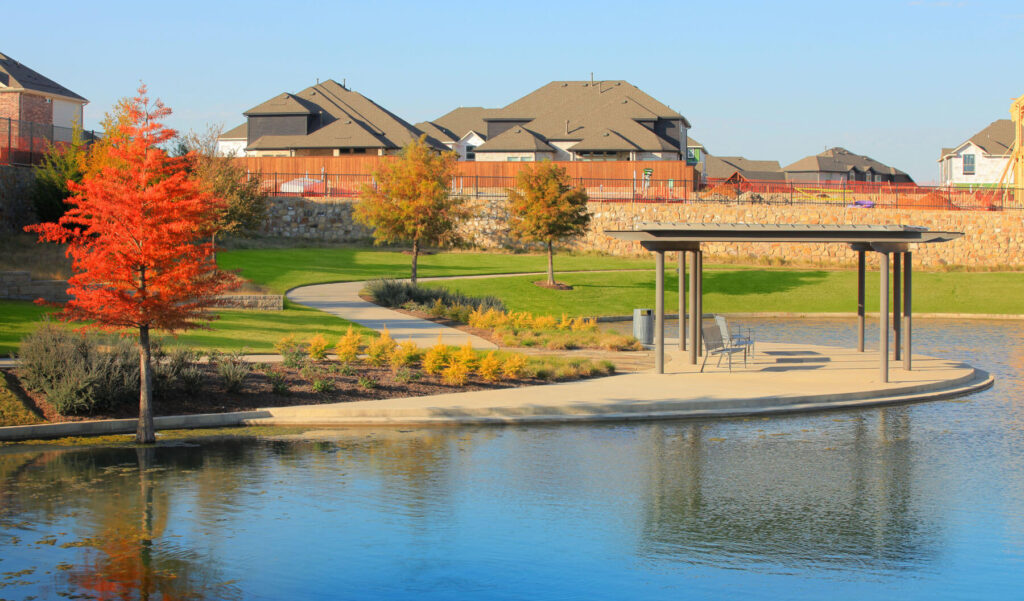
(788, 503)
(128, 559)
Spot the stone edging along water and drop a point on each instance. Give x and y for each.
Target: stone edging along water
(976, 381)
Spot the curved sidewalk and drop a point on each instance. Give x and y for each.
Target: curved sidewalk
(342, 299)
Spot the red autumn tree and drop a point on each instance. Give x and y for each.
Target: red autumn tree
(135, 233)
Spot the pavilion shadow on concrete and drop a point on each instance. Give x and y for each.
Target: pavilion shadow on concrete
(883, 239)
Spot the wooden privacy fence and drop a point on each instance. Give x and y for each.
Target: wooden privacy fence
(677, 171)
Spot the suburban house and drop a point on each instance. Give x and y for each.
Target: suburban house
(29, 97)
(980, 159)
(743, 169)
(325, 119)
(568, 121)
(232, 143)
(461, 130)
(841, 165)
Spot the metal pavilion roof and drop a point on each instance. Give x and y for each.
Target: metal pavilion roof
(665, 236)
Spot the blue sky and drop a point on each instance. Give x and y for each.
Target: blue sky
(895, 80)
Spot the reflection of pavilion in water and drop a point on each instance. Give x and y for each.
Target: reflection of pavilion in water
(789, 503)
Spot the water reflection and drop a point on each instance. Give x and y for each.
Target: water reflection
(862, 501)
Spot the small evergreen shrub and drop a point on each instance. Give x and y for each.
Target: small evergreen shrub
(316, 347)
(233, 370)
(437, 358)
(348, 347)
(456, 374)
(404, 355)
(379, 350)
(292, 352)
(367, 382)
(490, 367)
(514, 367)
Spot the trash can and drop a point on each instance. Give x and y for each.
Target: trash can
(643, 325)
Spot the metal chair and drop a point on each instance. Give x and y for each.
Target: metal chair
(714, 344)
(734, 338)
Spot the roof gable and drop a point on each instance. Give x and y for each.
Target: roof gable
(16, 76)
(515, 139)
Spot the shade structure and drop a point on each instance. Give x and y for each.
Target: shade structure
(885, 240)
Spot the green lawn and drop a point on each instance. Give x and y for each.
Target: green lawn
(728, 289)
(753, 290)
(254, 331)
(283, 269)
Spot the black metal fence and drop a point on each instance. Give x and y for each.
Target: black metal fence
(26, 142)
(859, 195)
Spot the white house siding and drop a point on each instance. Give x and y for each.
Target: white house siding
(66, 114)
(657, 156)
(470, 139)
(562, 152)
(515, 156)
(233, 148)
(987, 169)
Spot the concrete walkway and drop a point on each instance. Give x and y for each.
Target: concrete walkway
(784, 378)
(342, 299)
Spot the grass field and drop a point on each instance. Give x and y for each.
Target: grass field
(727, 290)
(283, 269)
(753, 290)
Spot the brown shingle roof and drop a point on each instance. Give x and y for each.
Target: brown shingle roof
(605, 140)
(724, 167)
(579, 110)
(19, 77)
(282, 104)
(239, 132)
(840, 160)
(515, 139)
(996, 139)
(348, 120)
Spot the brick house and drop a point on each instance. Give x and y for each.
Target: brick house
(26, 96)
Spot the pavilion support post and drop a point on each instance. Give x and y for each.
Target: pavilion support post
(883, 315)
(860, 300)
(907, 330)
(897, 310)
(694, 316)
(659, 312)
(682, 299)
(700, 302)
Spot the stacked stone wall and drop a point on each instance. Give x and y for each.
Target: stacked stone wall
(15, 204)
(992, 239)
(19, 285)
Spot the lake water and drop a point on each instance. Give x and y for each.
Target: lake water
(914, 502)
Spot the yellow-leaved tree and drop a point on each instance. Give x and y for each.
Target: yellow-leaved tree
(545, 207)
(411, 201)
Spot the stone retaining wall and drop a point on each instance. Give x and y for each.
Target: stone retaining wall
(19, 285)
(317, 219)
(992, 238)
(15, 205)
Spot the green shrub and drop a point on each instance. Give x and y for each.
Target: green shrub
(396, 293)
(192, 379)
(323, 385)
(278, 381)
(80, 374)
(367, 382)
(293, 353)
(233, 370)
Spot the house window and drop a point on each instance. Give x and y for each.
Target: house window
(519, 158)
(968, 164)
(470, 155)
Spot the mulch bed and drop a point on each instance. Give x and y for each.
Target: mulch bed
(257, 392)
(555, 286)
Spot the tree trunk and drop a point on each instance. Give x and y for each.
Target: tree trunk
(551, 265)
(144, 434)
(415, 258)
